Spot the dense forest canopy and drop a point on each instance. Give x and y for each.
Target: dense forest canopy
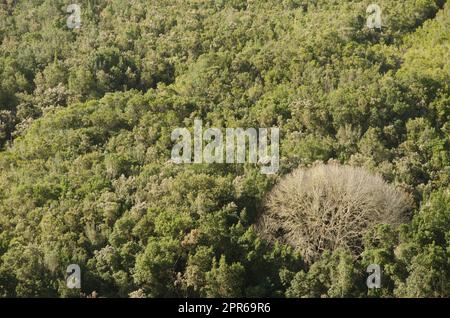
(86, 116)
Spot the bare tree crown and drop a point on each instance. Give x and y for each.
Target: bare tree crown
(330, 206)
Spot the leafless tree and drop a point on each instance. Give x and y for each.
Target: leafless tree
(330, 206)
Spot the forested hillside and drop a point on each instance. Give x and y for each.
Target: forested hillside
(86, 116)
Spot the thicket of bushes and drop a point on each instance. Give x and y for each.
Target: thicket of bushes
(85, 123)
